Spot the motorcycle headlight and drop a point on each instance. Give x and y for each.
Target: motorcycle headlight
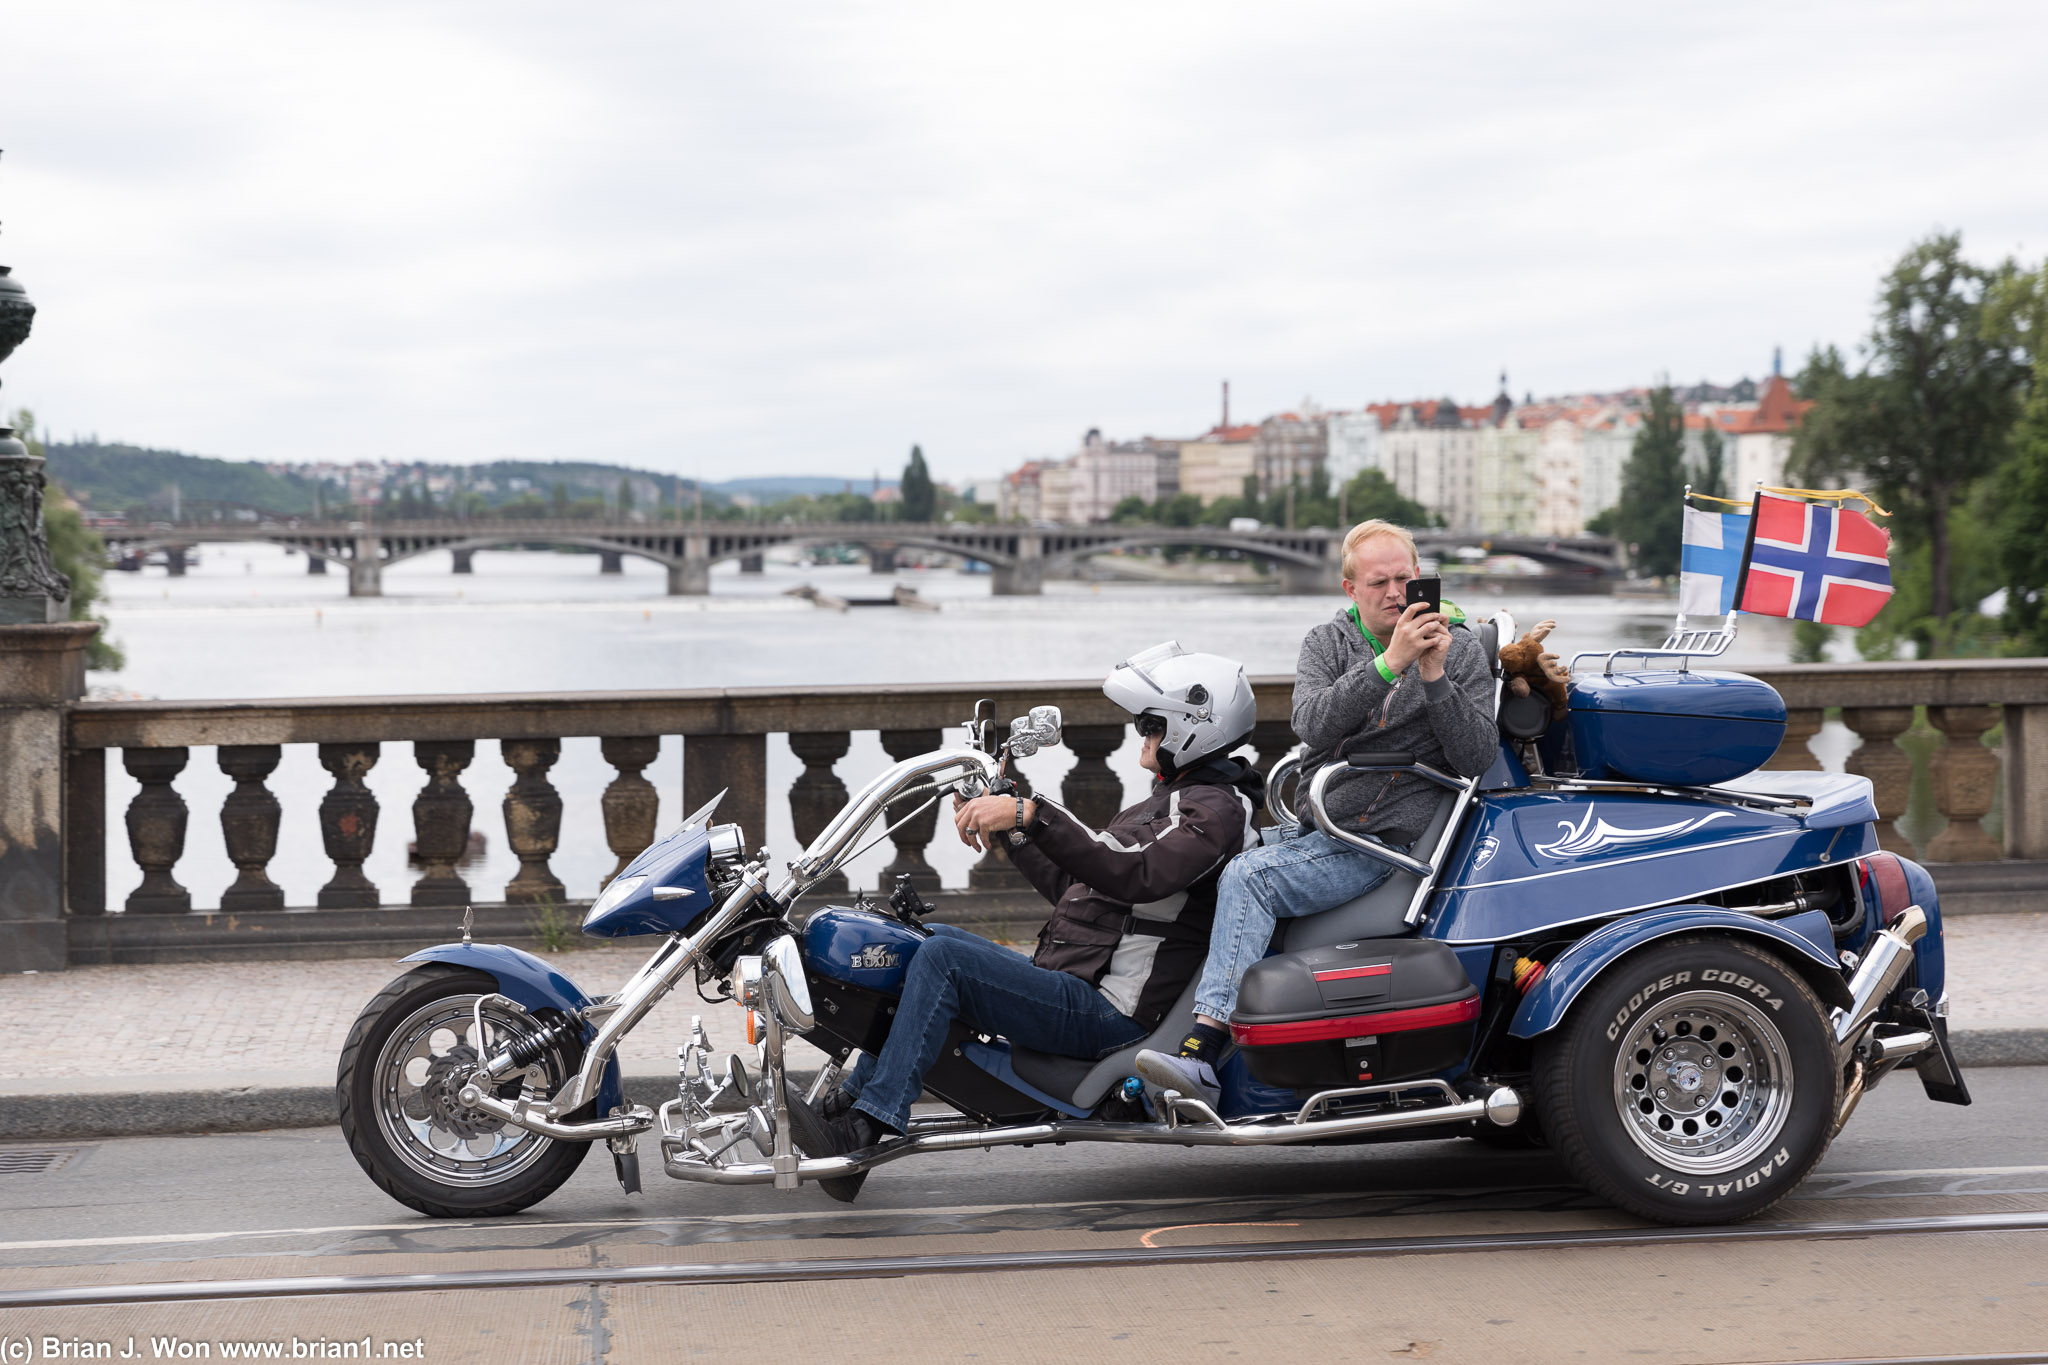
(728, 844)
(620, 888)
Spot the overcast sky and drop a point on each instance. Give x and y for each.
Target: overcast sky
(727, 240)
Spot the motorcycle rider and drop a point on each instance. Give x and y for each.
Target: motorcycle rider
(1133, 901)
(1416, 681)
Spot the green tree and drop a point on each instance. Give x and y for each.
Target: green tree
(1931, 410)
(1372, 494)
(1651, 512)
(625, 495)
(919, 499)
(77, 552)
(1714, 468)
(2020, 311)
(558, 500)
(1132, 511)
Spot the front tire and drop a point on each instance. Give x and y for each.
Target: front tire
(400, 1070)
(1695, 1081)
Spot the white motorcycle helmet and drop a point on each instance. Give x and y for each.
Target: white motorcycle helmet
(1203, 701)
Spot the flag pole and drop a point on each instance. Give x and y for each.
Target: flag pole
(1684, 502)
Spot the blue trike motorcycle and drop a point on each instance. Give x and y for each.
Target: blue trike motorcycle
(1623, 940)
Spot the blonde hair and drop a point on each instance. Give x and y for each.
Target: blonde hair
(1369, 530)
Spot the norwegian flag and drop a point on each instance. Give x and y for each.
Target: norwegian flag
(1814, 563)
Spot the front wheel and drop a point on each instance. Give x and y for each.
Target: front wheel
(402, 1068)
(1695, 1081)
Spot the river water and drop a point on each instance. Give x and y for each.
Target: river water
(248, 621)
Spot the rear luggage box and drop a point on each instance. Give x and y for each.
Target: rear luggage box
(1355, 1014)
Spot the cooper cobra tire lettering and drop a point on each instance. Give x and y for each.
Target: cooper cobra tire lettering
(1593, 1074)
(1643, 997)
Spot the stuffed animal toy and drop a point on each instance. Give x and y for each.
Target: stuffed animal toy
(1527, 665)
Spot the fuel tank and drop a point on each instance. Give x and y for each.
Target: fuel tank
(860, 948)
(1530, 860)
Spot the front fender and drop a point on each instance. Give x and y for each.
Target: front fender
(1807, 935)
(533, 983)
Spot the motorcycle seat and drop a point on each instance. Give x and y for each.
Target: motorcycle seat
(1379, 913)
(1083, 1083)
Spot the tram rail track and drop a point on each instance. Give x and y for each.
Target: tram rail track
(894, 1267)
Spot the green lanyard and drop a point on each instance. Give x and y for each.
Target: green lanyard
(1378, 661)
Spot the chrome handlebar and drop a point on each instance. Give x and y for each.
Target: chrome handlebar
(839, 836)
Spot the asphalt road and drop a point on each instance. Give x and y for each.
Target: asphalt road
(293, 1203)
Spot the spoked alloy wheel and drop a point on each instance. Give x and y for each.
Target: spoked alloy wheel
(1694, 1081)
(405, 1062)
(1704, 1082)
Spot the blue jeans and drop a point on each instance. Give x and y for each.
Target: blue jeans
(1307, 873)
(958, 975)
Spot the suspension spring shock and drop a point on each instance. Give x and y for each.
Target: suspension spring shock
(525, 1051)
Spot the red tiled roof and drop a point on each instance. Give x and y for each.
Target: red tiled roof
(1777, 411)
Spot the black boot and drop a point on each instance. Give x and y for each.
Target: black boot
(847, 1131)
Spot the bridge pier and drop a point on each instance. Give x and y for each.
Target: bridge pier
(1025, 578)
(610, 561)
(689, 578)
(464, 561)
(752, 563)
(881, 559)
(316, 564)
(174, 560)
(1300, 580)
(365, 570)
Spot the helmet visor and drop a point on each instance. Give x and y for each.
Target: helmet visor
(1144, 663)
(1147, 724)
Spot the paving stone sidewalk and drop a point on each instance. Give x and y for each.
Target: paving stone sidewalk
(127, 1034)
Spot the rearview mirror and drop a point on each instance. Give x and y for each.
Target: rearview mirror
(1030, 733)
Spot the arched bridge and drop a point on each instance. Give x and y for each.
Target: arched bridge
(1018, 556)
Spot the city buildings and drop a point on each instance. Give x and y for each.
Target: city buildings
(1512, 469)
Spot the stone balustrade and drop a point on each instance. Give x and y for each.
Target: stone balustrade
(725, 737)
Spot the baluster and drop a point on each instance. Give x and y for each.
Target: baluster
(1965, 775)
(911, 840)
(1090, 790)
(630, 803)
(818, 794)
(533, 818)
(348, 826)
(994, 871)
(440, 821)
(156, 830)
(248, 825)
(1889, 768)
(1793, 755)
(1271, 739)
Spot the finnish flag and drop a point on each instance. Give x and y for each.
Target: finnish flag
(1709, 560)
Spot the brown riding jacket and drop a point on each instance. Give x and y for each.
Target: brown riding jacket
(1134, 901)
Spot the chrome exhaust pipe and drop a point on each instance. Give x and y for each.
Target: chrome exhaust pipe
(1884, 966)
(1273, 1130)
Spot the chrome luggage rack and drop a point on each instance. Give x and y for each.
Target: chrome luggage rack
(1684, 644)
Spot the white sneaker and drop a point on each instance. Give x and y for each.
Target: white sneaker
(1193, 1078)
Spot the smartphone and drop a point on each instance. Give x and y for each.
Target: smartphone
(1430, 590)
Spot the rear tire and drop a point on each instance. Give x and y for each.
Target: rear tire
(1694, 1081)
(399, 1071)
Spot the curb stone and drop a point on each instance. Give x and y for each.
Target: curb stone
(242, 1109)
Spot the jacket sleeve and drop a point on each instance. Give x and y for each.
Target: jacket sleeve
(1332, 702)
(1460, 711)
(1047, 878)
(1146, 861)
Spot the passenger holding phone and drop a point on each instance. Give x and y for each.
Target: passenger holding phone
(1395, 666)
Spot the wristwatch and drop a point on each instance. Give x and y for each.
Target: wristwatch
(1017, 830)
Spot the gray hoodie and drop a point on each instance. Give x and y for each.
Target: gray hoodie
(1448, 724)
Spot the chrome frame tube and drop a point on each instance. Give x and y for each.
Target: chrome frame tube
(1271, 1131)
(648, 986)
(635, 1120)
